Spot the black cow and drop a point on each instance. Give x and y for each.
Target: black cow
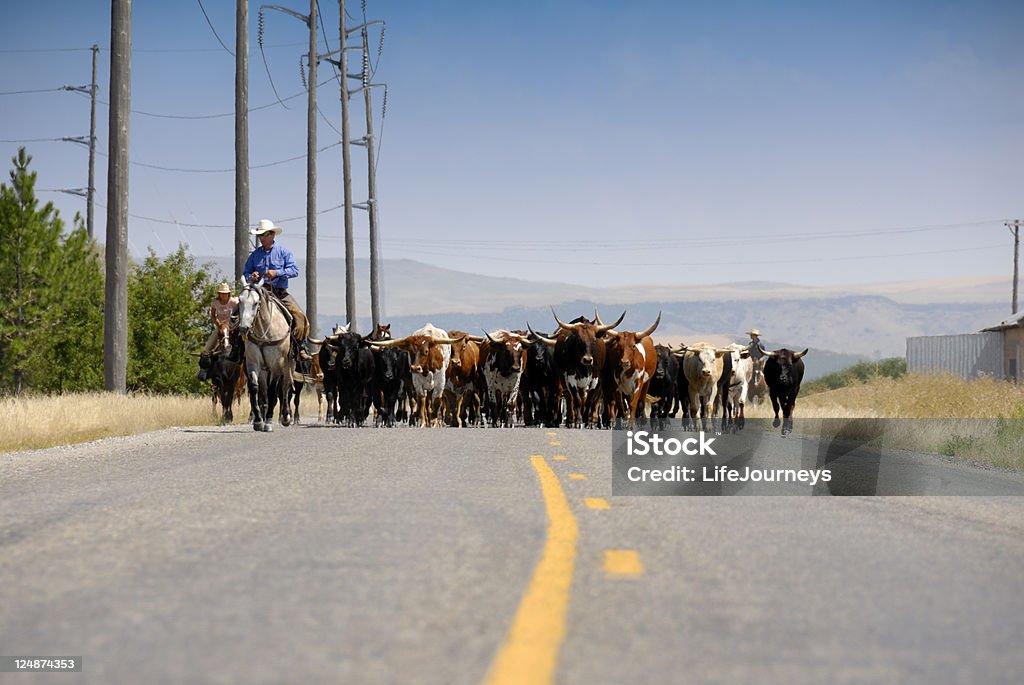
(540, 386)
(354, 376)
(391, 374)
(328, 356)
(579, 357)
(663, 386)
(783, 372)
(223, 369)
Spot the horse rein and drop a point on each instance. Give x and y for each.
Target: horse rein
(251, 335)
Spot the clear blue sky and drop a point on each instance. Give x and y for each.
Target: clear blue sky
(590, 142)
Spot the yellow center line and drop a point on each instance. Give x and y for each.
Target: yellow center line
(552, 433)
(559, 457)
(530, 651)
(577, 476)
(596, 503)
(622, 562)
(555, 443)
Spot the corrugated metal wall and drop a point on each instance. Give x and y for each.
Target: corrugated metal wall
(967, 355)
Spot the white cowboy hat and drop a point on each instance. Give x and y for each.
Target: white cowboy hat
(265, 225)
(754, 331)
(224, 288)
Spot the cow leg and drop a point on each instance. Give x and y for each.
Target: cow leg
(775, 407)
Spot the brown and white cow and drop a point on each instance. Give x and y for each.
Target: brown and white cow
(430, 351)
(738, 388)
(631, 362)
(461, 383)
(703, 367)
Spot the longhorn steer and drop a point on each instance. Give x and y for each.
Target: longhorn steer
(461, 382)
(580, 358)
(631, 361)
(703, 368)
(430, 351)
(502, 357)
(783, 372)
(663, 386)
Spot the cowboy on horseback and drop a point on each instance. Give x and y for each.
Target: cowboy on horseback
(276, 264)
(222, 308)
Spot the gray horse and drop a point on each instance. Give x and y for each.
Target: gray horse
(264, 323)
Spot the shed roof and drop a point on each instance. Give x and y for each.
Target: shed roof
(1015, 321)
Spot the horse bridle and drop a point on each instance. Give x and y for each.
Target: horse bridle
(261, 342)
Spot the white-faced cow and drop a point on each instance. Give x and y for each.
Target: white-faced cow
(631, 362)
(783, 372)
(742, 375)
(703, 367)
(430, 351)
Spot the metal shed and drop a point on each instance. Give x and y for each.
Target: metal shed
(995, 351)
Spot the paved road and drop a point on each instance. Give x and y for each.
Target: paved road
(326, 555)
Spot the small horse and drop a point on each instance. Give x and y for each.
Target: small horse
(268, 355)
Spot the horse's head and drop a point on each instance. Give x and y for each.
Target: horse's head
(248, 306)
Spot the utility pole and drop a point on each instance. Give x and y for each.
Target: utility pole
(1014, 227)
(311, 309)
(92, 148)
(371, 181)
(115, 311)
(346, 171)
(313, 57)
(241, 135)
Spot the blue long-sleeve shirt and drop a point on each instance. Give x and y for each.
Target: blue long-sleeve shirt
(278, 258)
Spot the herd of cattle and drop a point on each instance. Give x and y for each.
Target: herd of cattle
(583, 374)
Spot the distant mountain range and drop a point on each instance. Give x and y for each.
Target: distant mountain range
(851, 323)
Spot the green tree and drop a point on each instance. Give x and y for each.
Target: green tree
(50, 296)
(168, 303)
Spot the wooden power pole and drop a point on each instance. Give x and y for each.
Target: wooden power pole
(371, 183)
(91, 190)
(1014, 227)
(311, 308)
(115, 311)
(241, 135)
(346, 172)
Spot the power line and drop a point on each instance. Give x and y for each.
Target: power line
(216, 35)
(224, 171)
(134, 49)
(37, 90)
(218, 116)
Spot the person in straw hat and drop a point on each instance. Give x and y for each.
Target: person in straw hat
(221, 310)
(753, 345)
(276, 265)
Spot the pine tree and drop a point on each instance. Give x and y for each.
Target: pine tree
(47, 279)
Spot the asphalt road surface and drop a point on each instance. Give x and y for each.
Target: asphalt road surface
(326, 555)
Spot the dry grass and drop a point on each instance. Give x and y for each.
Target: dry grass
(46, 421)
(981, 420)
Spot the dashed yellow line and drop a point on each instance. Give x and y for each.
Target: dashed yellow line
(552, 433)
(622, 562)
(577, 476)
(559, 457)
(530, 651)
(555, 443)
(596, 503)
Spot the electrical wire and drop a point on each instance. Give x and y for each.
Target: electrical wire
(215, 34)
(222, 171)
(37, 90)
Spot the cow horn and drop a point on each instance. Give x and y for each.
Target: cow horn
(605, 328)
(315, 341)
(766, 352)
(474, 338)
(797, 356)
(385, 343)
(447, 341)
(597, 318)
(543, 339)
(489, 338)
(647, 331)
(562, 324)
